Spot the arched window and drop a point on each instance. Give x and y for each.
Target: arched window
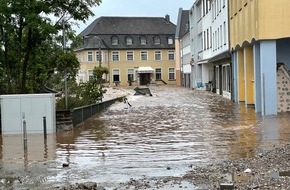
(156, 40)
(129, 41)
(115, 40)
(143, 40)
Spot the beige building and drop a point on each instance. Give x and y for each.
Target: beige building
(136, 50)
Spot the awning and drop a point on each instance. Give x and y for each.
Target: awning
(145, 70)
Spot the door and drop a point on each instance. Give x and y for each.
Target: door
(144, 78)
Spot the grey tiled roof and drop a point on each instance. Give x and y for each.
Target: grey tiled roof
(134, 27)
(182, 23)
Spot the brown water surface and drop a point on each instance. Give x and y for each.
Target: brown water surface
(161, 135)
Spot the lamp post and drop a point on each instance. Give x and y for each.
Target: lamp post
(65, 74)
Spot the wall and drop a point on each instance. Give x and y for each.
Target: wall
(283, 87)
(31, 108)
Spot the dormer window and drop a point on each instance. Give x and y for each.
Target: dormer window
(156, 40)
(115, 40)
(170, 40)
(143, 40)
(129, 41)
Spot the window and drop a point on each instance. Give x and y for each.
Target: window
(143, 55)
(143, 40)
(225, 34)
(207, 38)
(130, 56)
(98, 56)
(156, 40)
(130, 74)
(129, 41)
(90, 56)
(217, 77)
(157, 56)
(116, 75)
(170, 55)
(171, 74)
(221, 35)
(91, 74)
(158, 74)
(115, 40)
(115, 56)
(170, 40)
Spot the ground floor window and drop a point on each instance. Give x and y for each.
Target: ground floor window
(217, 77)
(116, 75)
(158, 74)
(227, 78)
(171, 74)
(91, 74)
(130, 75)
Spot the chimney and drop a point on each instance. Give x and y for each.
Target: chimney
(167, 18)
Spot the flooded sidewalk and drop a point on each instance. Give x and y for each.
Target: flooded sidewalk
(163, 135)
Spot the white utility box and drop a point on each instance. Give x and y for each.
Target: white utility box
(31, 108)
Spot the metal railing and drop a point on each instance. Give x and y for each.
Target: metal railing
(81, 114)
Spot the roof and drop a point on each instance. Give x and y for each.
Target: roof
(105, 28)
(129, 25)
(182, 23)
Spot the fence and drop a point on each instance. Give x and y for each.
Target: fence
(81, 114)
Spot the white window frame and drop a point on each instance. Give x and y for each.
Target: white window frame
(116, 72)
(130, 72)
(170, 72)
(90, 74)
(97, 55)
(171, 54)
(115, 40)
(90, 56)
(115, 54)
(130, 55)
(157, 53)
(170, 40)
(143, 55)
(158, 73)
(129, 41)
(157, 40)
(143, 40)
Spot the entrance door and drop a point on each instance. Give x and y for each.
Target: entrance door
(144, 78)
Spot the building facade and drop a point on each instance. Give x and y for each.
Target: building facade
(259, 39)
(209, 35)
(136, 50)
(182, 49)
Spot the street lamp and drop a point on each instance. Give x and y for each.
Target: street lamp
(65, 74)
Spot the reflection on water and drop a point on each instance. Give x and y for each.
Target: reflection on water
(161, 135)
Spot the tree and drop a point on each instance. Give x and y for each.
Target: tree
(92, 91)
(30, 49)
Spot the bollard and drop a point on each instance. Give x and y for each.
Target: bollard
(44, 128)
(24, 135)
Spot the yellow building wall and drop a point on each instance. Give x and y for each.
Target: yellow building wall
(123, 65)
(249, 75)
(241, 77)
(177, 62)
(258, 19)
(274, 19)
(243, 17)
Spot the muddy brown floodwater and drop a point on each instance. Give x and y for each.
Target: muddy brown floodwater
(164, 135)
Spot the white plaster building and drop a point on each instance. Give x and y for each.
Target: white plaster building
(210, 46)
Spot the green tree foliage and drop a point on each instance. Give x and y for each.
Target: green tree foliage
(30, 42)
(92, 91)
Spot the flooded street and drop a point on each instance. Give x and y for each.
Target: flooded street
(163, 135)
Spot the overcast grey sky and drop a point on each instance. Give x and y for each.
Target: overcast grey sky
(148, 8)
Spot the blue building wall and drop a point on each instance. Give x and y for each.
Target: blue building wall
(258, 78)
(268, 77)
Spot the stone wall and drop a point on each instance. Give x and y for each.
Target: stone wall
(283, 87)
